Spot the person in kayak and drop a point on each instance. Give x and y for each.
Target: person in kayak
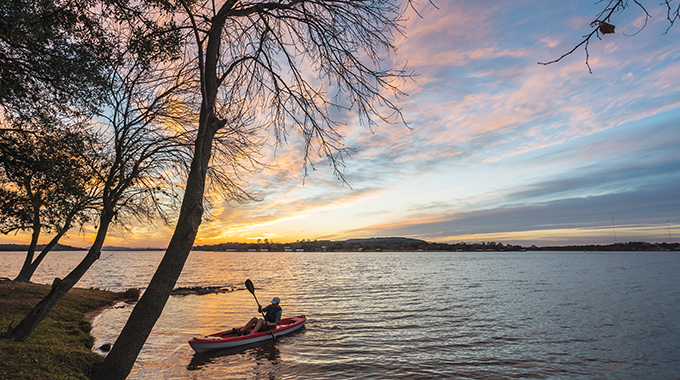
(271, 319)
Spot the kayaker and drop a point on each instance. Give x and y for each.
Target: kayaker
(271, 319)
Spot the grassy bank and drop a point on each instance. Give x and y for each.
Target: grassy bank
(60, 348)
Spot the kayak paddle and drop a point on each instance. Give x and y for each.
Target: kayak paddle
(251, 289)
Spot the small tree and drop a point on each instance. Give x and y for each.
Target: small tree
(46, 185)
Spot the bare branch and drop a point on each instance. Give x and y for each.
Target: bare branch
(602, 25)
(671, 14)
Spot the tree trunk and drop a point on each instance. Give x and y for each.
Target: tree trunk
(60, 287)
(122, 357)
(28, 273)
(25, 273)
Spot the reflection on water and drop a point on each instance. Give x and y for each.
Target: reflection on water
(409, 315)
(257, 352)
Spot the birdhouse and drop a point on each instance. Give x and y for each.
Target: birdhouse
(606, 28)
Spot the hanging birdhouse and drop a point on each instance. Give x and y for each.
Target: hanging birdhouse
(606, 28)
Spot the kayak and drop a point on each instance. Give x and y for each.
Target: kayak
(226, 339)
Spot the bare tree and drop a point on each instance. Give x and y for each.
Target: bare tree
(603, 23)
(136, 165)
(271, 65)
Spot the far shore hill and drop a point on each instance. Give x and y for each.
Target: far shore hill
(387, 244)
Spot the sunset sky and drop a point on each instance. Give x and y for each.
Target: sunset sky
(500, 148)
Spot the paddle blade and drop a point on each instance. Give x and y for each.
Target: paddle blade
(249, 285)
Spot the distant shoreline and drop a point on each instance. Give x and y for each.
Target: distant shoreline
(400, 244)
(61, 247)
(388, 244)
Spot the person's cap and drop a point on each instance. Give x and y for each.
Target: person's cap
(276, 300)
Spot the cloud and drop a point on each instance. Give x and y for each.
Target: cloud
(631, 174)
(646, 206)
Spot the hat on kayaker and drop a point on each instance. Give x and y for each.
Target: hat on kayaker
(276, 300)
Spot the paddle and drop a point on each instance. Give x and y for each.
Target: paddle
(251, 289)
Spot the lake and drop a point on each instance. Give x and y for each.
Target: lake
(406, 315)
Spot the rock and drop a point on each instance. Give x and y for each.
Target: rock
(200, 290)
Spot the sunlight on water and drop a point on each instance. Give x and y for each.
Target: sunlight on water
(407, 315)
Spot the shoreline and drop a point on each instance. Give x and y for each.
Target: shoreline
(91, 315)
(61, 346)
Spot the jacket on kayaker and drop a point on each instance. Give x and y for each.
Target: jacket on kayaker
(273, 314)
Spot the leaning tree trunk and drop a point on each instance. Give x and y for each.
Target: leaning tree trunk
(27, 271)
(24, 275)
(122, 357)
(60, 287)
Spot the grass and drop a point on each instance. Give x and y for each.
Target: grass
(61, 347)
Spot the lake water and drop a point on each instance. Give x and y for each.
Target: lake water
(418, 315)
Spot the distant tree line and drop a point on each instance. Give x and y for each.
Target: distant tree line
(629, 246)
(382, 244)
(415, 245)
(24, 247)
(358, 245)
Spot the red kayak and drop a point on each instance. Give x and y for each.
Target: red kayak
(226, 339)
